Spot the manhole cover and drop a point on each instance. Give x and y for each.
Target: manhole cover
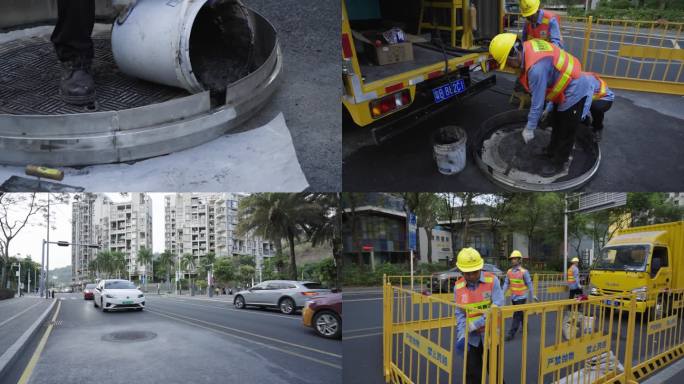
(30, 75)
(129, 336)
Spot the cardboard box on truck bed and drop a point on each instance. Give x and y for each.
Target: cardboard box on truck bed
(389, 53)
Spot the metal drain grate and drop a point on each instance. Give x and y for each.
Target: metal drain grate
(30, 74)
(129, 336)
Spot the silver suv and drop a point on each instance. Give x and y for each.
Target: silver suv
(286, 295)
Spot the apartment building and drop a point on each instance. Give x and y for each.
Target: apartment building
(124, 227)
(200, 223)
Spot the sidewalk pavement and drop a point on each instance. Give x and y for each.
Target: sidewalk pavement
(20, 318)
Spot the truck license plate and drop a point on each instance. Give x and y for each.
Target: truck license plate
(447, 91)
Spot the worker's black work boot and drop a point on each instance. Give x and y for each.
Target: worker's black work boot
(77, 85)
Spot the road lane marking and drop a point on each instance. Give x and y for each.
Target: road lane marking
(28, 371)
(361, 336)
(18, 314)
(360, 329)
(255, 335)
(246, 311)
(355, 300)
(378, 291)
(337, 366)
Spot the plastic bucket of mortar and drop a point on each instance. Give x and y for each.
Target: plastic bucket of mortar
(196, 45)
(449, 149)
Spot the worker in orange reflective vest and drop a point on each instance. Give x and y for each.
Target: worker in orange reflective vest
(477, 291)
(549, 74)
(602, 100)
(519, 281)
(540, 23)
(574, 279)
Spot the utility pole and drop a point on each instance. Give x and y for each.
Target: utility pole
(47, 265)
(565, 239)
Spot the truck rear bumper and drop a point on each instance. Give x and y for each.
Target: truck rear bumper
(423, 108)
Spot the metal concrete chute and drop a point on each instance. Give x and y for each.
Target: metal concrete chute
(196, 45)
(157, 93)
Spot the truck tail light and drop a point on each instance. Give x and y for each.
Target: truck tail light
(346, 46)
(390, 103)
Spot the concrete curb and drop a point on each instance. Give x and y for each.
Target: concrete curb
(666, 373)
(13, 351)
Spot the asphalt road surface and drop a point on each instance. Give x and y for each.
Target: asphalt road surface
(641, 147)
(363, 342)
(183, 341)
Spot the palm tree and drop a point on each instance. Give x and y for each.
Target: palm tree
(187, 262)
(167, 259)
(118, 263)
(103, 263)
(144, 258)
(326, 230)
(276, 216)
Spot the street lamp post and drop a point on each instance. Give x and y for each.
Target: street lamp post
(44, 275)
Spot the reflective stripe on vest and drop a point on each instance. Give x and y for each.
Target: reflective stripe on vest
(478, 299)
(542, 30)
(567, 65)
(517, 279)
(602, 91)
(571, 276)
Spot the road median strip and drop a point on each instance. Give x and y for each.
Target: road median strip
(28, 371)
(14, 350)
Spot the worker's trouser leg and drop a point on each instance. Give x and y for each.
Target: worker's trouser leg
(517, 318)
(563, 134)
(474, 364)
(71, 37)
(598, 109)
(575, 292)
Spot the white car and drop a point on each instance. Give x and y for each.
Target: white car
(118, 294)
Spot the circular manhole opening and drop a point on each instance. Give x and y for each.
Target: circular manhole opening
(129, 336)
(504, 158)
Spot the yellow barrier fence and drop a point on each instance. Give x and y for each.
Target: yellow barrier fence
(420, 335)
(601, 339)
(628, 54)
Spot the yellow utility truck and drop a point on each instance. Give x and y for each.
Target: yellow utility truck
(406, 60)
(641, 260)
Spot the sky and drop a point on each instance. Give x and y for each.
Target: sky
(29, 241)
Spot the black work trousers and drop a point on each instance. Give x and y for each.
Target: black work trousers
(71, 37)
(474, 364)
(575, 292)
(598, 110)
(565, 125)
(517, 317)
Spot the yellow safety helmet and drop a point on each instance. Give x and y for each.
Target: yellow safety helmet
(529, 7)
(574, 260)
(515, 253)
(469, 260)
(500, 47)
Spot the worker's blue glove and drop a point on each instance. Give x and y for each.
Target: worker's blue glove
(460, 346)
(528, 134)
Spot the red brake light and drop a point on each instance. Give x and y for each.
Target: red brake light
(390, 103)
(346, 46)
(309, 293)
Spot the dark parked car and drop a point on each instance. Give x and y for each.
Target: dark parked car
(324, 315)
(445, 281)
(88, 292)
